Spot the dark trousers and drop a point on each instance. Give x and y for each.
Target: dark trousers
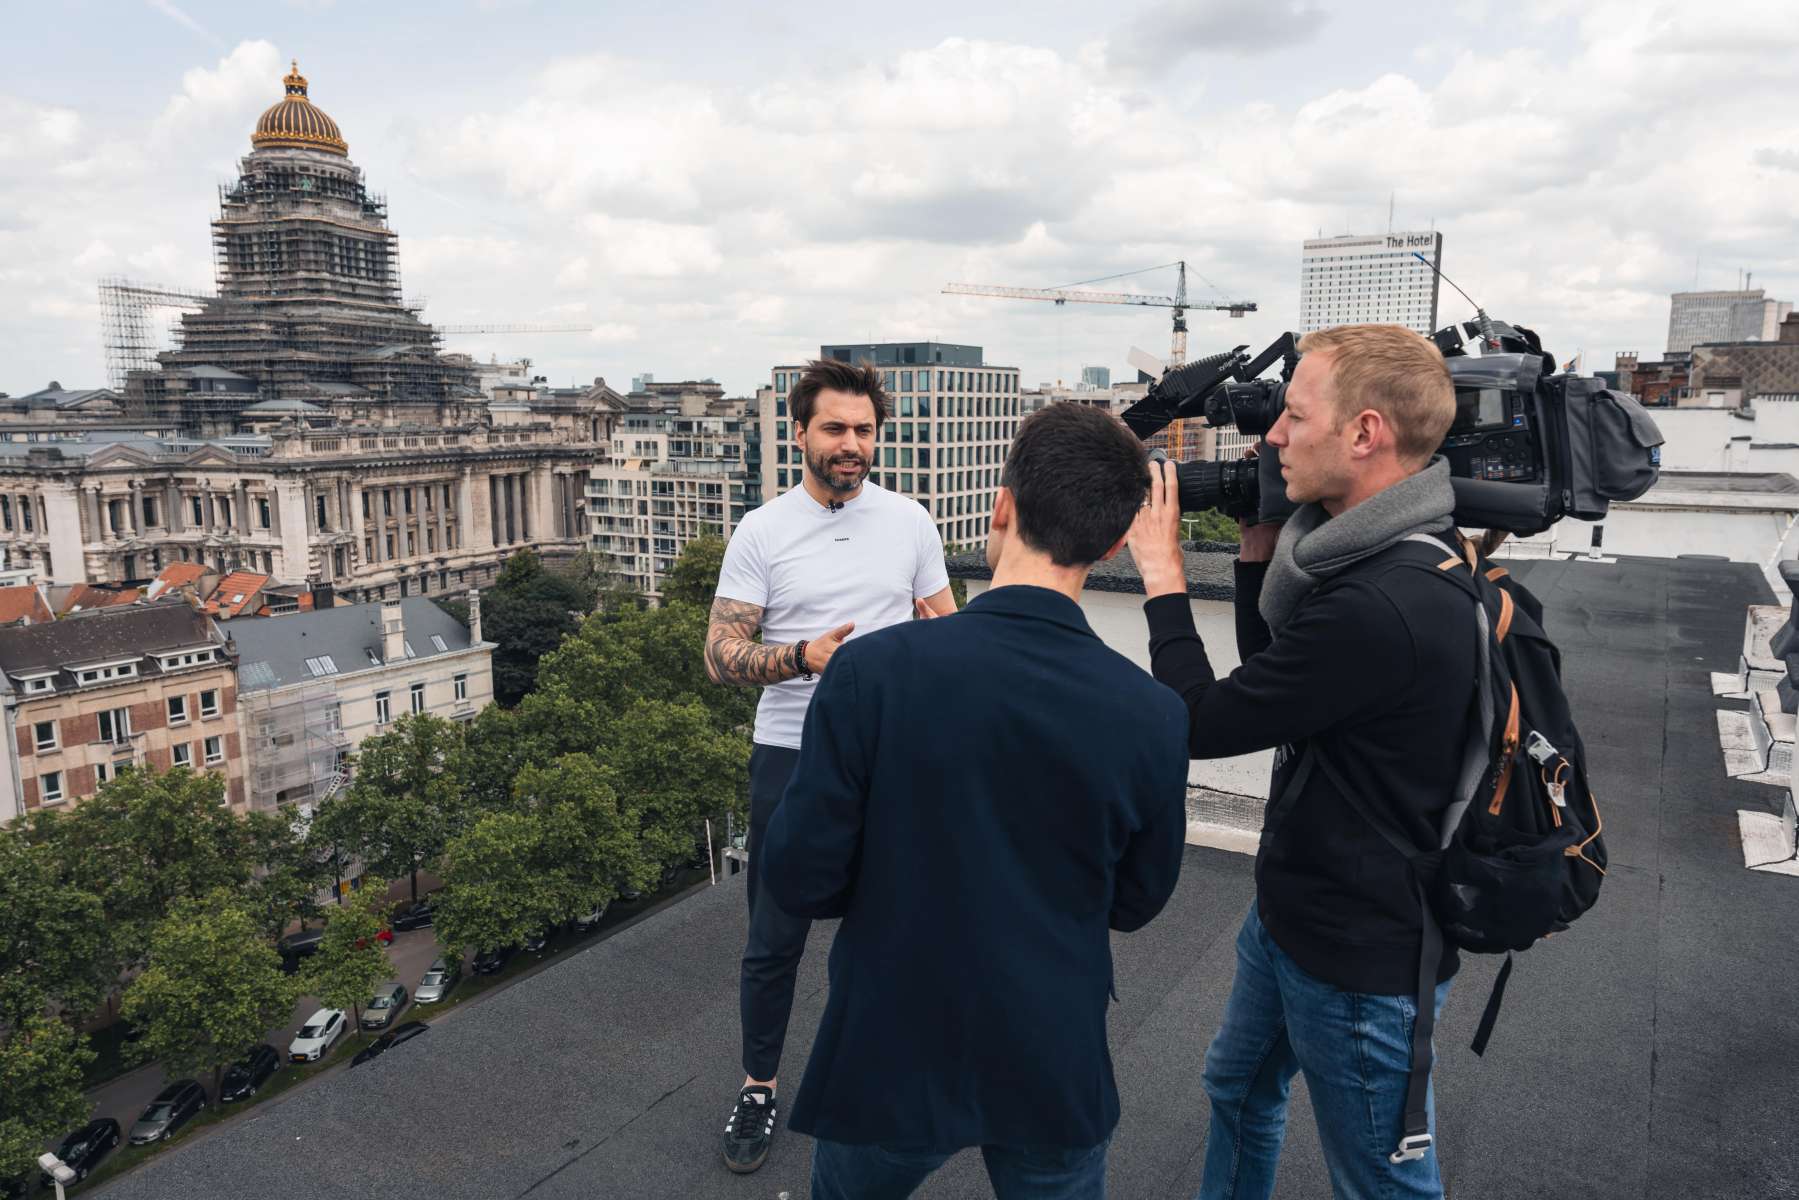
(771, 960)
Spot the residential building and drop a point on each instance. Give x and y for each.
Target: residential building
(952, 416)
(1743, 315)
(684, 462)
(101, 691)
(1370, 279)
(316, 684)
(1657, 384)
(1751, 370)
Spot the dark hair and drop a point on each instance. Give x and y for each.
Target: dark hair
(1077, 477)
(821, 373)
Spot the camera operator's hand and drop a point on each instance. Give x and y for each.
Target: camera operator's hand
(1155, 537)
(1256, 542)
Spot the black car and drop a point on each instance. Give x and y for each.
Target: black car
(173, 1107)
(303, 943)
(489, 962)
(388, 1040)
(83, 1149)
(244, 1077)
(539, 942)
(417, 914)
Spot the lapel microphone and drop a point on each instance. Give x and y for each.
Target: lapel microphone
(834, 505)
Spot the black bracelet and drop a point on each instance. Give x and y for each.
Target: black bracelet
(799, 657)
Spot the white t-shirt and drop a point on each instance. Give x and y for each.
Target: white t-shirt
(811, 570)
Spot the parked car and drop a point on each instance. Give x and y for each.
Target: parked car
(630, 895)
(415, 914)
(385, 937)
(318, 1035)
(245, 1076)
(439, 978)
(384, 1006)
(540, 942)
(588, 921)
(173, 1107)
(388, 1040)
(83, 1149)
(303, 943)
(489, 962)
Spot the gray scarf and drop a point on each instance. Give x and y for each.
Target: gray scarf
(1314, 545)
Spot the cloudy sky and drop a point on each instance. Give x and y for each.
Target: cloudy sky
(716, 189)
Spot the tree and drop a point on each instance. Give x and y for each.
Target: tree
(291, 872)
(495, 892)
(146, 841)
(694, 577)
(351, 961)
(588, 846)
(54, 947)
(407, 796)
(671, 764)
(213, 988)
(1209, 525)
(618, 658)
(526, 614)
(41, 1061)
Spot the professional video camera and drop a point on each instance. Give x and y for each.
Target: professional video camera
(1528, 446)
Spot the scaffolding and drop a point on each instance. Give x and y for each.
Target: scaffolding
(298, 752)
(127, 323)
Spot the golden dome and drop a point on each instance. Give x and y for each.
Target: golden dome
(298, 124)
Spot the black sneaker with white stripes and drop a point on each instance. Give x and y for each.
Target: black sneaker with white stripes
(751, 1129)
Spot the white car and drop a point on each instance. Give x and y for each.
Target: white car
(319, 1034)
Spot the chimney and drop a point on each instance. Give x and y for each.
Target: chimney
(393, 632)
(474, 616)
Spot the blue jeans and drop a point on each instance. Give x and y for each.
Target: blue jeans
(845, 1172)
(1355, 1050)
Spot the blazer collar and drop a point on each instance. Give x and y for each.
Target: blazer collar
(1024, 600)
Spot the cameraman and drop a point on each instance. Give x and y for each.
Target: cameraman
(1362, 673)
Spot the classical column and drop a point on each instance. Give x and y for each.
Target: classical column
(173, 517)
(443, 519)
(243, 507)
(91, 500)
(133, 515)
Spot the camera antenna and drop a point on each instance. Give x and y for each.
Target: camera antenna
(1488, 334)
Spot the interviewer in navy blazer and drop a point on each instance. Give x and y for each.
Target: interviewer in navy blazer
(982, 798)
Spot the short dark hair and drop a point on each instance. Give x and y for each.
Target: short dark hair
(1078, 478)
(821, 373)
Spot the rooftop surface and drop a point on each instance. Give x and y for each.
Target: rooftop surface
(277, 652)
(1645, 1053)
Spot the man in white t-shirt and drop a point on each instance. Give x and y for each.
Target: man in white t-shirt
(809, 569)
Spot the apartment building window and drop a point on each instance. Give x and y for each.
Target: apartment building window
(177, 710)
(383, 711)
(115, 726)
(44, 733)
(406, 495)
(365, 506)
(461, 687)
(334, 716)
(224, 509)
(183, 754)
(387, 502)
(418, 698)
(318, 512)
(102, 772)
(52, 786)
(209, 703)
(150, 511)
(25, 512)
(264, 517)
(197, 510)
(215, 750)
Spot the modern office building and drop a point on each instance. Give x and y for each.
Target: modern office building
(952, 416)
(1740, 316)
(1375, 279)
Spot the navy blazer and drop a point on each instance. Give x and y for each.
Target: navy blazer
(980, 797)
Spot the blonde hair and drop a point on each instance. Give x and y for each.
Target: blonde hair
(1396, 372)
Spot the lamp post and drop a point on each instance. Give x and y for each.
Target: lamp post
(59, 1172)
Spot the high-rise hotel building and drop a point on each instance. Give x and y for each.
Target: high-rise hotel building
(1370, 280)
(951, 418)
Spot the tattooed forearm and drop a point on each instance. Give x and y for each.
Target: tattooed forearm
(732, 654)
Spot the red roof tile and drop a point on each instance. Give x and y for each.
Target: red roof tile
(24, 602)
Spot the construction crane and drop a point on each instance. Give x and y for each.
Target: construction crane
(1178, 302)
(513, 328)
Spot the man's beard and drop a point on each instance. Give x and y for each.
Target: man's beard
(823, 470)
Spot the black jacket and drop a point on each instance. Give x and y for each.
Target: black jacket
(981, 798)
(1378, 667)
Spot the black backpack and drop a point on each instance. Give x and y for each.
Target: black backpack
(1521, 854)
